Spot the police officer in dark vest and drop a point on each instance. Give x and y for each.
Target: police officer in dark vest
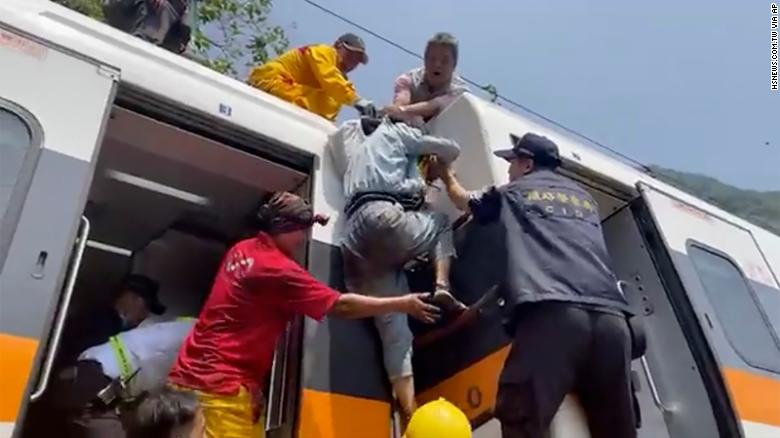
(564, 311)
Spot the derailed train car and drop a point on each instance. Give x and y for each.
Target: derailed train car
(136, 160)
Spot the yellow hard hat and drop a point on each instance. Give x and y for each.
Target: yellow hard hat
(438, 419)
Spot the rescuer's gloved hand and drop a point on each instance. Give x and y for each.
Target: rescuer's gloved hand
(366, 108)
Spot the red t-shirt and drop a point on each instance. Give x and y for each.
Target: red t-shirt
(257, 291)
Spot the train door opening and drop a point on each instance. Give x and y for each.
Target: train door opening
(727, 292)
(50, 134)
(463, 365)
(165, 203)
(672, 394)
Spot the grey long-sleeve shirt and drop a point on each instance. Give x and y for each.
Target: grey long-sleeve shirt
(387, 160)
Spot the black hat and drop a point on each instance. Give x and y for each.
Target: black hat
(146, 288)
(543, 150)
(353, 43)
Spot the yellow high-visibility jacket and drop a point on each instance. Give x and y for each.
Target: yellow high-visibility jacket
(308, 77)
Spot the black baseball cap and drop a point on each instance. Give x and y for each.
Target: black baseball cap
(353, 43)
(147, 289)
(543, 150)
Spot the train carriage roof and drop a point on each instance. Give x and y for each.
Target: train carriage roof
(176, 79)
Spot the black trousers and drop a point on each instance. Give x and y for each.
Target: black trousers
(560, 348)
(162, 26)
(87, 421)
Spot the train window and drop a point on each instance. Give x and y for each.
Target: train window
(19, 143)
(736, 308)
(15, 138)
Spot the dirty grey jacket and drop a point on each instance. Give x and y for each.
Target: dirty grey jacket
(387, 160)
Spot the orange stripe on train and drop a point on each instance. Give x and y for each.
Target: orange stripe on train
(472, 389)
(328, 415)
(756, 397)
(17, 355)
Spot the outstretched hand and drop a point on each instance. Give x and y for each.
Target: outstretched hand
(433, 167)
(439, 169)
(418, 308)
(395, 111)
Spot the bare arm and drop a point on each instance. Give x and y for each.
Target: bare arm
(405, 109)
(429, 108)
(425, 109)
(465, 319)
(402, 93)
(355, 306)
(484, 206)
(402, 106)
(458, 195)
(304, 295)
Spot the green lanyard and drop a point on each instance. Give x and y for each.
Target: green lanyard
(125, 369)
(123, 359)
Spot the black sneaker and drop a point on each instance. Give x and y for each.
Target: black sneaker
(444, 298)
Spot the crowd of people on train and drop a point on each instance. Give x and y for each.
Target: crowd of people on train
(564, 313)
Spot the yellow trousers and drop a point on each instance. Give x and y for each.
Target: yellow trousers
(284, 87)
(229, 416)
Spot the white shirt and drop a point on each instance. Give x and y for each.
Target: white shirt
(343, 143)
(153, 348)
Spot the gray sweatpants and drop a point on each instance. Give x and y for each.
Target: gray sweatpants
(380, 238)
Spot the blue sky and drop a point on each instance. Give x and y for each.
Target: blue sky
(680, 84)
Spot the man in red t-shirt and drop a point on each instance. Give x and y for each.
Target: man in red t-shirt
(259, 289)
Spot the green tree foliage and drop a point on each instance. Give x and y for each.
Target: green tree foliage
(760, 208)
(235, 34)
(91, 8)
(230, 35)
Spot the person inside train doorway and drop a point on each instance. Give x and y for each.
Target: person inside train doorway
(140, 358)
(135, 300)
(315, 77)
(258, 290)
(161, 22)
(564, 312)
(169, 413)
(388, 225)
(420, 94)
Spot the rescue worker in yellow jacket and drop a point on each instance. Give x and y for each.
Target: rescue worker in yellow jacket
(315, 77)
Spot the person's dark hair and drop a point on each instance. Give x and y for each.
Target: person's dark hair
(144, 287)
(283, 212)
(445, 39)
(140, 284)
(253, 223)
(159, 414)
(255, 220)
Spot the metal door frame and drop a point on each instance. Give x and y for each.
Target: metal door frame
(703, 352)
